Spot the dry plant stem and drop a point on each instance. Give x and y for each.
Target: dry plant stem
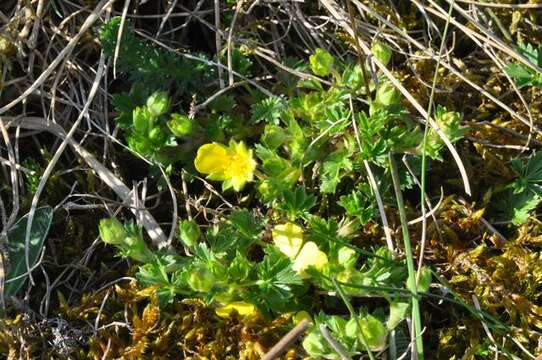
(286, 341)
(170, 9)
(218, 44)
(149, 223)
(331, 6)
(91, 19)
(416, 318)
(374, 187)
(175, 209)
(445, 64)
(119, 36)
(424, 146)
(49, 169)
(230, 37)
(335, 345)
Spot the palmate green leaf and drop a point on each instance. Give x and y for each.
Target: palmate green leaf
(276, 282)
(374, 331)
(533, 171)
(523, 74)
(359, 204)
(167, 271)
(245, 225)
(533, 54)
(520, 73)
(240, 269)
(268, 110)
(333, 169)
(529, 174)
(152, 66)
(296, 202)
(515, 207)
(15, 276)
(321, 62)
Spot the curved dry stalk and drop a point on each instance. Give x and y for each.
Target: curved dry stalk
(330, 5)
(91, 19)
(154, 231)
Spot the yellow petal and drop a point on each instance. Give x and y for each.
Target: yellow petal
(213, 160)
(309, 255)
(242, 166)
(242, 308)
(288, 238)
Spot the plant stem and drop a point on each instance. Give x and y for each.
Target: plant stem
(416, 318)
(353, 315)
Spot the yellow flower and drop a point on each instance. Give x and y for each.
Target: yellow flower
(242, 308)
(288, 238)
(234, 164)
(309, 255)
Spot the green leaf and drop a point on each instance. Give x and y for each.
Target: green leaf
(520, 73)
(297, 202)
(399, 311)
(533, 171)
(268, 110)
(359, 204)
(240, 269)
(515, 207)
(276, 280)
(425, 279)
(375, 332)
(16, 277)
(321, 62)
(333, 169)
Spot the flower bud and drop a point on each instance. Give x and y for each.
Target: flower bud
(112, 231)
(141, 120)
(201, 280)
(382, 52)
(158, 103)
(347, 257)
(189, 232)
(180, 125)
(387, 94)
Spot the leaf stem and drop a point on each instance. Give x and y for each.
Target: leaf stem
(416, 318)
(353, 314)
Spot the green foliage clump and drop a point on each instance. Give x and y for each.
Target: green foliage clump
(523, 74)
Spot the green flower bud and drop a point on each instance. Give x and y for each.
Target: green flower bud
(189, 232)
(347, 257)
(136, 249)
(321, 62)
(158, 103)
(112, 231)
(155, 134)
(388, 95)
(382, 52)
(180, 125)
(315, 345)
(201, 280)
(141, 120)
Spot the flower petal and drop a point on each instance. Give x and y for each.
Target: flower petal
(288, 238)
(242, 308)
(213, 160)
(309, 255)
